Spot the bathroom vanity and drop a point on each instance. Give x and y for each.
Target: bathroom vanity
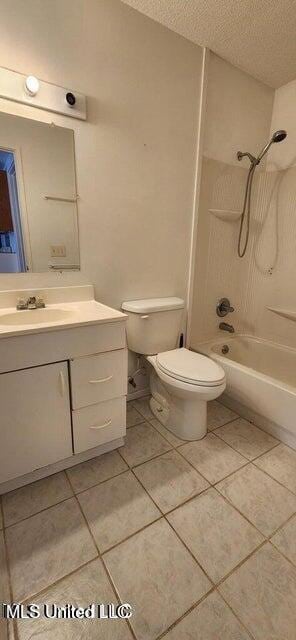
(63, 382)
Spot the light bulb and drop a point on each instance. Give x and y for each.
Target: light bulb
(32, 85)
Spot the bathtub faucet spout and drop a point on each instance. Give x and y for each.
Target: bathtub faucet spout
(224, 326)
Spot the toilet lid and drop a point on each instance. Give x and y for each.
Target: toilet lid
(191, 367)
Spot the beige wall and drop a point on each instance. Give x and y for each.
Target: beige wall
(283, 117)
(136, 152)
(237, 117)
(238, 112)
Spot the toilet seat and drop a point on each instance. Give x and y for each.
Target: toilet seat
(190, 367)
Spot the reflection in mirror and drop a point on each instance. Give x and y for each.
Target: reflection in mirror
(38, 197)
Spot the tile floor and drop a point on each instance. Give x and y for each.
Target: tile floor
(199, 537)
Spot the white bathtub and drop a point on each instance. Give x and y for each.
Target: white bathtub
(261, 382)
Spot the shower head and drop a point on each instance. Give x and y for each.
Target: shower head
(280, 135)
(277, 136)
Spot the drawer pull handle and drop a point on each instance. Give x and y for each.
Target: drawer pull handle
(101, 380)
(101, 426)
(144, 317)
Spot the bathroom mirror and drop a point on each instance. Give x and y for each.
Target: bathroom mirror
(38, 197)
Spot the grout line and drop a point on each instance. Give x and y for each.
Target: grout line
(157, 455)
(215, 432)
(282, 526)
(68, 481)
(228, 501)
(213, 589)
(131, 426)
(9, 578)
(283, 554)
(186, 501)
(224, 424)
(232, 473)
(192, 555)
(131, 535)
(36, 513)
(244, 559)
(248, 462)
(230, 445)
(267, 537)
(100, 556)
(114, 587)
(29, 599)
(175, 446)
(261, 455)
(260, 429)
(171, 527)
(186, 613)
(97, 484)
(212, 484)
(117, 595)
(272, 478)
(236, 615)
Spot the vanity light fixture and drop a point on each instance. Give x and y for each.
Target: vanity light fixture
(41, 95)
(32, 85)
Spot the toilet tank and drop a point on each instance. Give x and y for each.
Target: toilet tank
(154, 324)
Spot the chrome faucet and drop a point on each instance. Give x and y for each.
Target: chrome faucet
(224, 307)
(31, 303)
(224, 326)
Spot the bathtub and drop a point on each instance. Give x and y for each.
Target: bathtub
(260, 381)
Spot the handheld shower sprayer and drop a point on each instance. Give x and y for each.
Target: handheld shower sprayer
(278, 136)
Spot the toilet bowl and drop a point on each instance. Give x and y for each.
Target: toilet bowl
(181, 381)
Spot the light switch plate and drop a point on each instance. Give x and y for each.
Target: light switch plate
(58, 251)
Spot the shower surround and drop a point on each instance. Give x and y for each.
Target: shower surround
(265, 277)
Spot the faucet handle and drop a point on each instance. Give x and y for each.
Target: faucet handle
(40, 304)
(21, 304)
(223, 308)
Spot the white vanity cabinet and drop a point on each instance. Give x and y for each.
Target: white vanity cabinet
(63, 384)
(35, 419)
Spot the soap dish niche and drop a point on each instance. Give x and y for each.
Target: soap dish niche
(228, 215)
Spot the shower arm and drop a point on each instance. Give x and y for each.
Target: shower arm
(241, 155)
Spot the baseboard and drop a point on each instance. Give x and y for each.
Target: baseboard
(38, 474)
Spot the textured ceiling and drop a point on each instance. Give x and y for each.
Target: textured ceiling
(259, 36)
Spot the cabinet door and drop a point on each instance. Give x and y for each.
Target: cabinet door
(35, 423)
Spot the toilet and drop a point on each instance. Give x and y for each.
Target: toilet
(182, 381)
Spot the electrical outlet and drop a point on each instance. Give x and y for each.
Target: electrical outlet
(58, 251)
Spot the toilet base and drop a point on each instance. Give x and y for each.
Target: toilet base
(185, 418)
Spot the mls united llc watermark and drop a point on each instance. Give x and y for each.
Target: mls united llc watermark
(67, 611)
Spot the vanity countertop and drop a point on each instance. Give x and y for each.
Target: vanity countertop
(56, 316)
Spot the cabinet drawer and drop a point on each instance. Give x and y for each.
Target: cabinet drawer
(98, 378)
(98, 424)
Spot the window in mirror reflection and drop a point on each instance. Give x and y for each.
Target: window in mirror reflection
(12, 257)
(38, 196)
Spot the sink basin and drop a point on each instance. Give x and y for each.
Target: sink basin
(35, 316)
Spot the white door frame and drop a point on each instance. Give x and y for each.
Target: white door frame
(21, 192)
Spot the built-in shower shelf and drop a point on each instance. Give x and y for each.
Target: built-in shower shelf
(284, 313)
(227, 215)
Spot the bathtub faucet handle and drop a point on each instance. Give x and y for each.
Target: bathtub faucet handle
(223, 308)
